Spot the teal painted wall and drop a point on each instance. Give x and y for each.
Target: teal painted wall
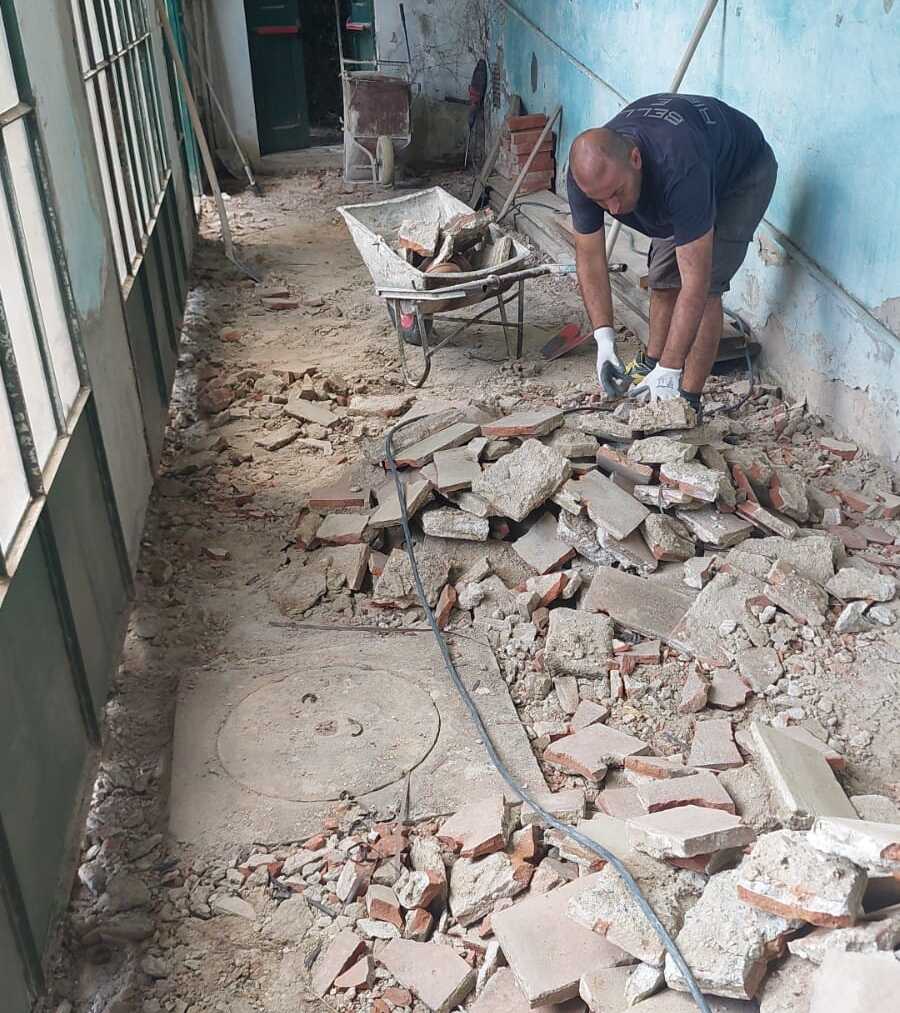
(822, 286)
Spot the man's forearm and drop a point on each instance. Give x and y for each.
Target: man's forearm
(686, 318)
(593, 278)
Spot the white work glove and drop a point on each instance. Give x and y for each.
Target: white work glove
(609, 365)
(660, 384)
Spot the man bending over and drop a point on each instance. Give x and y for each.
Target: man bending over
(696, 176)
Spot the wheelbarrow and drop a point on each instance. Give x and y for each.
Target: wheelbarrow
(415, 298)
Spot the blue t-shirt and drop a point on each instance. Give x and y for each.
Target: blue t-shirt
(693, 150)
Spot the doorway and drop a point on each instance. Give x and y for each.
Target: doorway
(274, 32)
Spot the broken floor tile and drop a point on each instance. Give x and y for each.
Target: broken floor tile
(713, 746)
(686, 831)
(275, 439)
(476, 884)
(804, 735)
(609, 506)
(421, 453)
(385, 406)
(566, 687)
(546, 952)
(541, 548)
(785, 875)
(537, 422)
(714, 528)
(587, 713)
(612, 462)
(522, 480)
(856, 983)
(340, 953)
(309, 411)
(609, 832)
(502, 995)
(445, 522)
(726, 943)
(694, 694)
(567, 806)
(803, 784)
(456, 469)
(341, 495)
(658, 767)
(578, 643)
(418, 493)
(620, 802)
(479, 828)
(650, 609)
(727, 689)
(702, 789)
(342, 529)
(434, 974)
(760, 667)
(767, 519)
(874, 846)
(593, 749)
(840, 449)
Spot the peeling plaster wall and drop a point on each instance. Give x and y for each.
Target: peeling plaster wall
(821, 287)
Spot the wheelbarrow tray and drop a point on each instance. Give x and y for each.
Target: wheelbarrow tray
(374, 229)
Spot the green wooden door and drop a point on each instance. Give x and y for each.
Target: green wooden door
(360, 30)
(276, 63)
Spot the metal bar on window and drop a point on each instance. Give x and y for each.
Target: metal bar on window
(34, 303)
(16, 112)
(110, 134)
(127, 139)
(16, 398)
(116, 226)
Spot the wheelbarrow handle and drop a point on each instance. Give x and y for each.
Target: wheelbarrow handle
(492, 283)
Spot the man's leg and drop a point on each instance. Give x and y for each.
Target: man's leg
(705, 348)
(662, 305)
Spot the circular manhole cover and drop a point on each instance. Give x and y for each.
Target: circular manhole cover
(308, 738)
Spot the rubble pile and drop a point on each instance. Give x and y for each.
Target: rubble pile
(467, 242)
(623, 564)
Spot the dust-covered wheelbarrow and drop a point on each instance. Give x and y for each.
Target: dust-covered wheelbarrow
(494, 271)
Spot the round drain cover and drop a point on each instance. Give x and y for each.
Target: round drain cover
(310, 737)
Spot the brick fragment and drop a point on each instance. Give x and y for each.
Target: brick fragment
(538, 422)
(715, 528)
(787, 493)
(342, 529)
(343, 950)
(701, 789)
(435, 974)
(592, 750)
(479, 828)
(658, 767)
(667, 538)
(418, 924)
(661, 450)
(795, 594)
(445, 606)
(873, 846)
(694, 694)
(713, 746)
(846, 451)
(422, 452)
(727, 689)
(687, 831)
(359, 976)
(420, 236)
(567, 806)
(785, 875)
(532, 121)
(612, 462)
(340, 495)
(540, 546)
(620, 802)
(766, 519)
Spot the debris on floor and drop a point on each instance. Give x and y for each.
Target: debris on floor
(683, 614)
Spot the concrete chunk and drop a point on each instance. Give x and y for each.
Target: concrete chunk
(875, 808)
(786, 876)
(702, 789)
(643, 982)
(445, 522)
(874, 846)
(687, 831)
(435, 974)
(572, 443)
(856, 983)
(802, 782)
(667, 538)
(879, 931)
(522, 480)
(476, 884)
(696, 480)
(726, 943)
(795, 594)
(760, 667)
(578, 643)
(545, 950)
(658, 416)
(396, 588)
(850, 583)
(661, 450)
(567, 806)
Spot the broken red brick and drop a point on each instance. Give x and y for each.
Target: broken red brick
(383, 906)
(418, 924)
(743, 483)
(846, 451)
(377, 563)
(360, 975)
(343, 950)
(338, 496)
(526, 845)
(857, 500)
(532, 121)
(398, 996)
(479, 828)
(766, 519)
(850, 537)
(701, 789)
(445, 605)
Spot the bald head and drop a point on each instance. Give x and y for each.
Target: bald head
(607, 168)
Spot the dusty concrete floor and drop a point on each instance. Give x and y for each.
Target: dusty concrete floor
(204, 626)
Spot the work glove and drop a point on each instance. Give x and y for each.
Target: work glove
(609, 365)
(660, 384)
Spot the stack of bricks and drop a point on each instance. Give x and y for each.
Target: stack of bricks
(520, 138)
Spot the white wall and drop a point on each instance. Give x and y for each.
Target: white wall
(446, 41)
(230, 72)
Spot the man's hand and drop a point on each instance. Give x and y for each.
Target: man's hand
(609, 365)
(660, 384)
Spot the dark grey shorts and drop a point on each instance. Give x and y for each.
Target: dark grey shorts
(738, 214)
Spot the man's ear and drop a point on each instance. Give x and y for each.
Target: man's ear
(635, 157)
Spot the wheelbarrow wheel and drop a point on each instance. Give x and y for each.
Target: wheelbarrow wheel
(408, 327)
(384, 160)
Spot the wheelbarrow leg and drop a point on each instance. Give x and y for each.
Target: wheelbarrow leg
(520, 322)
(505, 320)
(412, 381)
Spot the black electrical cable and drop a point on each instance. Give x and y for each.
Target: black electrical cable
(483, 733)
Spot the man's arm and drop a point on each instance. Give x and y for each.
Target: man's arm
(695, 266)
(593, 277)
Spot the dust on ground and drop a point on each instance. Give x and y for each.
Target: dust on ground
(140, 936)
